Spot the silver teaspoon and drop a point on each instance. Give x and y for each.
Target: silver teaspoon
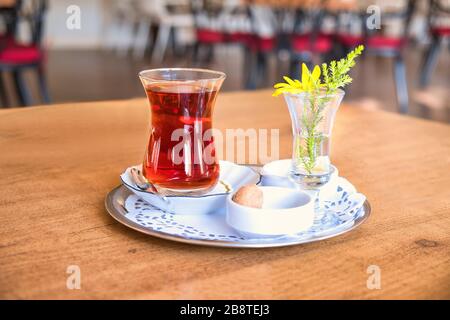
(142, 183)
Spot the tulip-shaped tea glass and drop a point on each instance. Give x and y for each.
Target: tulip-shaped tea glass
(312, 116)
(180, 157)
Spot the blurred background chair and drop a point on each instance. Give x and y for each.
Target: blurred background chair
(255, 42)
(226, 24)
(209, 30)
(17, 57)
(172, 17)
(439, 30)
(310, 42)
(383, 44)
(121, 26)
(9, 18)
(387, 41)
(261, 44)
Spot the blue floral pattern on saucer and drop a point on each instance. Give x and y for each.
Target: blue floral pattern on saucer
(342, 206)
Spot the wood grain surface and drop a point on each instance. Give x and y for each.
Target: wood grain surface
(58, 162)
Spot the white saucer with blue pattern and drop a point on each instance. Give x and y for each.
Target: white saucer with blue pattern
(345, 209)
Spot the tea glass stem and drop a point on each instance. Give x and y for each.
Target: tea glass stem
(319, 212)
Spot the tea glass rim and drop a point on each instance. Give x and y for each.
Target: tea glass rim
(144, 75)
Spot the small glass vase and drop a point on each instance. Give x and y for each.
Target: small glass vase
(312, 116)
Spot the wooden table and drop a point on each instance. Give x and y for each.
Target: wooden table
(57, 163)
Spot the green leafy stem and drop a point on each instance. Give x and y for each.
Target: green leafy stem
(319, 93)
(307, 150)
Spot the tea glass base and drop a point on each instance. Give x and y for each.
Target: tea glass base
(184, 192)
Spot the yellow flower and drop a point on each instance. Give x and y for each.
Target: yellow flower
(335, 75)
(310, 82)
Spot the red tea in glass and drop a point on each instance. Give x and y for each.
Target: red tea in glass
(180, 156)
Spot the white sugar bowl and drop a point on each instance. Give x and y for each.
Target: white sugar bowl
(284, 211)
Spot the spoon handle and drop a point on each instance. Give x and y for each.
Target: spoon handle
(141, 182)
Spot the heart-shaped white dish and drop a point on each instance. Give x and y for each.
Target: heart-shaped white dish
(231, 175)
